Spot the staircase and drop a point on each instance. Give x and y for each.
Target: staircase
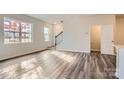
(58, 39)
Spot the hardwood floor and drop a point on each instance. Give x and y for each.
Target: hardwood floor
(53, 64)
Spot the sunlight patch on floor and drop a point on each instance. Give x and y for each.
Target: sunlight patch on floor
(36, 73)
(63, 56)
(28, 64)
(15, 69)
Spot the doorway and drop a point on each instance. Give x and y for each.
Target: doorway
(95, 38)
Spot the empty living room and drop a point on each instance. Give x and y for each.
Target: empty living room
(61, 46)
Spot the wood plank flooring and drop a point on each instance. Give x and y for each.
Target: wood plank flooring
(52, 64)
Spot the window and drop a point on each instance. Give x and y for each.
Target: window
(16, 31)
(46, 34)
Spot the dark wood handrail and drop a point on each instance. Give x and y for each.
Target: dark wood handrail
(58, 34)
(57, 37)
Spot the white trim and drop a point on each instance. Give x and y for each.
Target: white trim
(21, 54)
(95, 50)
(74, 50)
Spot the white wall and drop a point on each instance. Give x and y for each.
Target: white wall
(11, 50)
(77, 30)
(119, 34)
(58, 28)
(95, 38)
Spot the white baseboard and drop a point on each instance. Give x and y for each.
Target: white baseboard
(22, 54)
(95, 50)
(74, 50)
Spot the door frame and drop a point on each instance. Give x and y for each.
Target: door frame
(101, 36)
(90, 35)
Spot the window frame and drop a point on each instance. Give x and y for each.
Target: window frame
(20, 38)
(46, 34)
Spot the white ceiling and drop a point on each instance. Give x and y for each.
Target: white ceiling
(50, 18)
(54, 18)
